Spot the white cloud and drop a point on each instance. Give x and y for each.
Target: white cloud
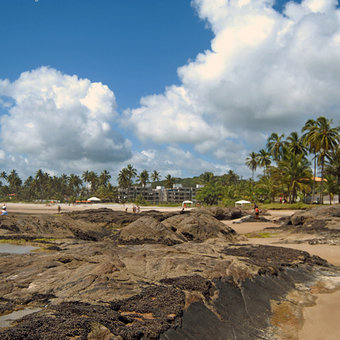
(173, 160)
(265, 72)
(172, 117)
(57, 120)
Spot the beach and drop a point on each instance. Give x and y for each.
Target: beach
(52, 208)
(320, 320)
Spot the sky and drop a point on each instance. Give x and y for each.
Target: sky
(177, 86)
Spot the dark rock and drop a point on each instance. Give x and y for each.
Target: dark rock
(273, 259)
(252, 218)
(191, 283)
(220, 213)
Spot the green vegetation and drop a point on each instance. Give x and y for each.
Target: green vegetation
(260, 235)
(286, 206)
(44, 240)
(286, 173)
(287, 169)
(16, 241)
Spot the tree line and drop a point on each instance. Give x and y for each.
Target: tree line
(286, 162)
(289, 169)
(43, 186)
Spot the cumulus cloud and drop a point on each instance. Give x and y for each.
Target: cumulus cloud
(174, 160)
(265, 71)
(58, 119)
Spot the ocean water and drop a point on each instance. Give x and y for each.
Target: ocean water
(15, 249)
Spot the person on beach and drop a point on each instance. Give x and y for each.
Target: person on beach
(4, 210)
(59, 209)
(257, 211)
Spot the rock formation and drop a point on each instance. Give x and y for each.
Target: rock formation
(109, 275)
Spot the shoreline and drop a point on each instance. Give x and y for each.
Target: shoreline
(52, 208)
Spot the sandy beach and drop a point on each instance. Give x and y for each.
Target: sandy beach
(52, 208)
(321, 321)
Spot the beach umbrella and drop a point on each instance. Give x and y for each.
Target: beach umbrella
(93, 199)
(242, 202)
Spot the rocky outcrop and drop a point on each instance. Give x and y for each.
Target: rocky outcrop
(148, 230)
(209, 289)
(322, 222)
(151, 277)
(198, 227)
(325, 216)
(221, 213)
(96, 225)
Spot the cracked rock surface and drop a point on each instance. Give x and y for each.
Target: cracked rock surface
(108, 275)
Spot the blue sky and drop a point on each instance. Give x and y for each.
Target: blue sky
(174, 85)
(133, 46)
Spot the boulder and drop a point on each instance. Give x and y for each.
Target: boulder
(199, 227)
(148, 230)
(220, 213)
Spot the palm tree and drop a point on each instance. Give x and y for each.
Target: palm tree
(131, 171)
(311, 144)
(294, 171)
(231, 178)
(275, 145)
(3, 175)
(207, 177)
(124, 180)
(61, 184)
(333, 167)
(42, 183)
(295, 144)
(266, 188)
(104, 178)
(29, 188)
(74, 184)
(169, 181)
(93, 179)
(14, 181)
(155, 176)
(263, 159)
(331, 186)
(85, 176)
(143, 178)
(323, 138)
(252, 163)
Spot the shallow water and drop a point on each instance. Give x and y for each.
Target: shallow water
(15, 249)
(5, 320)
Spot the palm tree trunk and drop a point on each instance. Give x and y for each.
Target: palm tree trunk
(313, 189)
(321, 188)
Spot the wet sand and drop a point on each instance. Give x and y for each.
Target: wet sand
(322, 320)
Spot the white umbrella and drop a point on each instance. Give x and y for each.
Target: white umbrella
(93, 199)
(242, 202)
(187, 202)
